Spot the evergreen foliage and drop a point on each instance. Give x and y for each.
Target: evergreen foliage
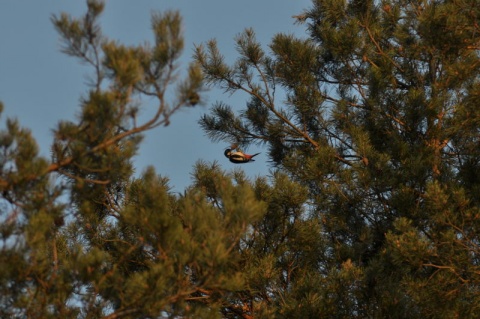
(372, 209)
(82, 238)
(380, 127)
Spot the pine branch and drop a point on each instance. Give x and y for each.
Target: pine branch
(122, 313)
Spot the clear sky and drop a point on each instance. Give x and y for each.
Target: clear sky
(39, 85)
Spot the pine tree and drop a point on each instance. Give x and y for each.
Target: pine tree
(378, 130)
(80, 236)
(371, 209)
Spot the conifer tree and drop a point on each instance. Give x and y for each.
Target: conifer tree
(372, 208)
(80, 236)
(379, 131)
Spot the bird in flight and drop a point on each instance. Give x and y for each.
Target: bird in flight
(238, 157)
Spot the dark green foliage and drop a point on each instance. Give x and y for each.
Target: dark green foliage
(379, 125)
(371, 210)
(81, 238)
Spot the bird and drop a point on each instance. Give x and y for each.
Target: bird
(238, 157)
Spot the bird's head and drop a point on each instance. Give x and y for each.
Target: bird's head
(227, 152)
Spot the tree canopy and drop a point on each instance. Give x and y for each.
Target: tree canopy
(371, 209)
(379, 125)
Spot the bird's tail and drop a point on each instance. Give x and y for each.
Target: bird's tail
(251, 156)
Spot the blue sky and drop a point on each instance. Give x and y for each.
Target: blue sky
(40, 86)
